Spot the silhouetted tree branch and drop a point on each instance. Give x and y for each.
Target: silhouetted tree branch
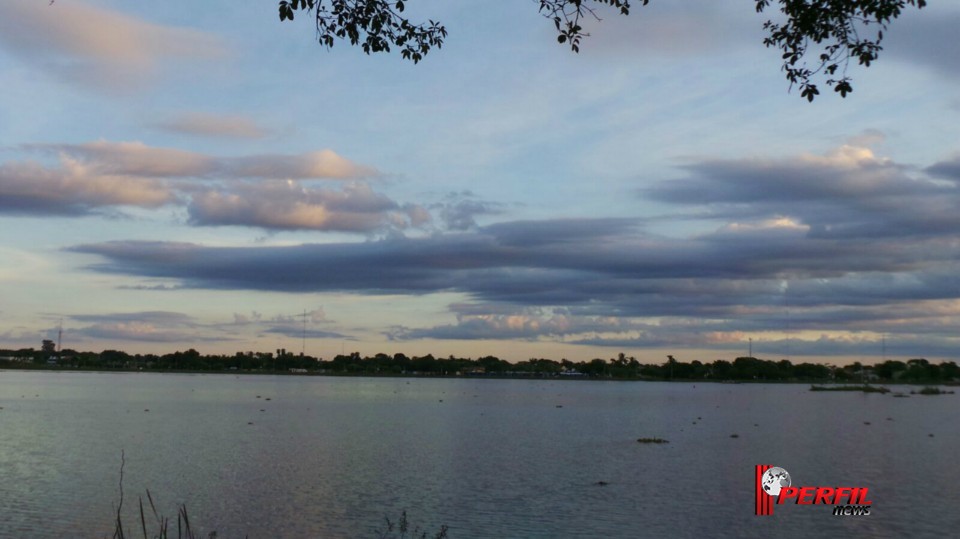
(832, 31)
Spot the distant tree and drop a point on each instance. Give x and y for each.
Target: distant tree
(114, 358)
(949, 371)
(721, 369)
(832, 32)
(810, 371)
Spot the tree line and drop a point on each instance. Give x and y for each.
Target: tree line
(620, 367)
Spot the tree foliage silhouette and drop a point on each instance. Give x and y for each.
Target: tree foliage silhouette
(817, 38)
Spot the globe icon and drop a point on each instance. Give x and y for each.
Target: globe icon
(774, 479)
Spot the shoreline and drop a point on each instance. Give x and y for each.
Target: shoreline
(831, 385)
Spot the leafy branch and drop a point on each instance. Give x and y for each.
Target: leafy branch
(566, 16)
(375, 25)
(837, 28)
(833, 31)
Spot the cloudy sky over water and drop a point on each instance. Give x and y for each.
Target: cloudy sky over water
(203, 175)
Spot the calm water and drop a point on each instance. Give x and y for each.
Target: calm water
(331, 457)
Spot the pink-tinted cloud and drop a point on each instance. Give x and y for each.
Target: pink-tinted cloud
(213, 125)
(32, 188)
(292, 206)
(97, 47)
(138, 159)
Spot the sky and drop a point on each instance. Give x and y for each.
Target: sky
(182, 175)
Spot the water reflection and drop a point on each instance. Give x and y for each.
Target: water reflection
(331, 457)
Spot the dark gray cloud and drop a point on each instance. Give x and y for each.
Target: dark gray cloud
(459, 210)
(296, 333)
(846, 242)
(949, 169)
(608, 266)
(927, 37)
(149, 317)
(147, 326)
(848, 193)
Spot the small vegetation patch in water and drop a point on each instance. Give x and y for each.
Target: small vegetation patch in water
(932, 390)
(653, 441)
(401, 530)
(864, 388)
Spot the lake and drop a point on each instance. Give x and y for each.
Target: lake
(304, 456)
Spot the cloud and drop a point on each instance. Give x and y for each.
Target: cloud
(29, 188)
(96, 47)
(844, 242)
(246, 191)
(148, 326)
(292, 206)
(680, 29)
(485, 321)
(584, 262)
(949, 169)
(459, 210)
(926, 37)
(105, 158)
(213, 125)
(138, 159)
(849, 192)
(295, 332)
(319, 164)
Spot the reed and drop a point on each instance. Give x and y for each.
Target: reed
(401, 529)
(159, 527)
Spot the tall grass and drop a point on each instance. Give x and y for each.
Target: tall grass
(159, 527)
(400, 529)
(162, 524)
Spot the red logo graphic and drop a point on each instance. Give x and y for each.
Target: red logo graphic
(772, 481)
(764, 499)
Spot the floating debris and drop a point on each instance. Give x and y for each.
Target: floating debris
(866, 422)
(601, 483)
(864, 388)
(653, 441)
(734, 435)
(931, 390)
